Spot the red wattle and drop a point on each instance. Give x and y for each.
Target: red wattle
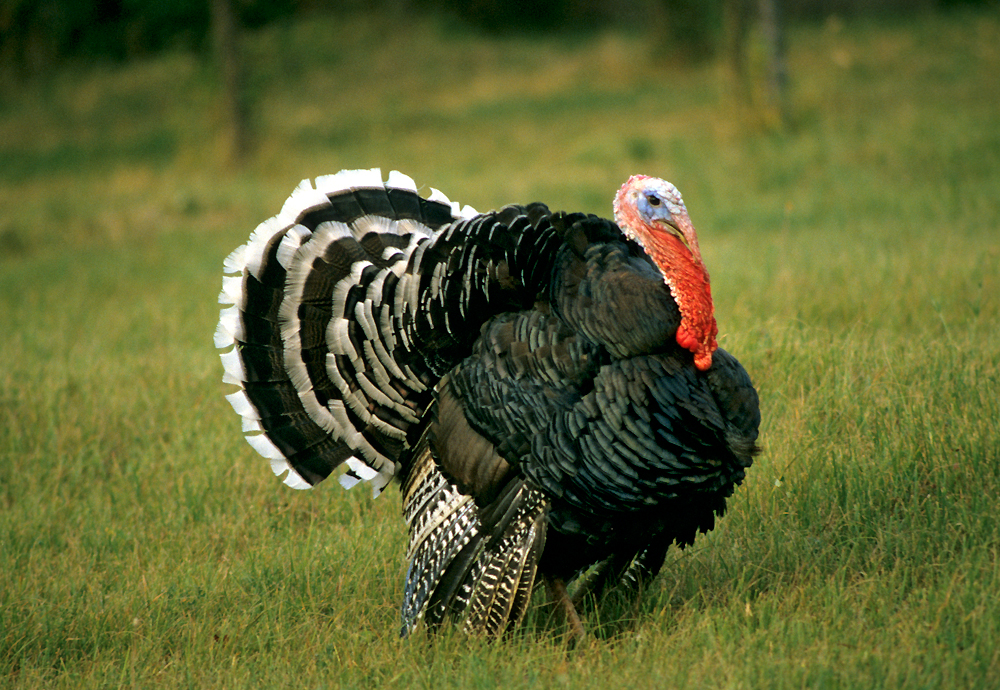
(688, 281)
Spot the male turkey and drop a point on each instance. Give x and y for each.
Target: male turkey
(545, 386)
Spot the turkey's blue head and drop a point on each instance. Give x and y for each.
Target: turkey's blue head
(651, 212)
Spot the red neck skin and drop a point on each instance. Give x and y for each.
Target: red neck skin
(686, 276)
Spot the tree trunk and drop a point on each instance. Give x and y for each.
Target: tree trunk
(771, 24)
(738, 17)
(229, 60)
(763, 85)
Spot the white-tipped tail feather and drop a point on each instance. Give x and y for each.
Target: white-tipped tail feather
(335, 258)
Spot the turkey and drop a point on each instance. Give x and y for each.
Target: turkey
(545, 387)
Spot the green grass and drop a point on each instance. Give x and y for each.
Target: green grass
(855, 260)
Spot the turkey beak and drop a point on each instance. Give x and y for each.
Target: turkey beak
(671, 226)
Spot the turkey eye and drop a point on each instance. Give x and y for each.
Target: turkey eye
(653, 200)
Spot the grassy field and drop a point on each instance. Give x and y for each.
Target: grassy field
(855, 259)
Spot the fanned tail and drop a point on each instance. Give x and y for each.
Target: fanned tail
(345, 309)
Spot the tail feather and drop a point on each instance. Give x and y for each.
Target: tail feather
(309, 326)
(342, 312)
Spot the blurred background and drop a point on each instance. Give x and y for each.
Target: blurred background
(37, 35)
(507, 98)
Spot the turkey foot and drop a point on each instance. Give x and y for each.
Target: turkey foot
(561, 598)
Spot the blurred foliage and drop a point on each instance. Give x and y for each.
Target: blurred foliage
(693, 25)
(36, 35)
(496, 16)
